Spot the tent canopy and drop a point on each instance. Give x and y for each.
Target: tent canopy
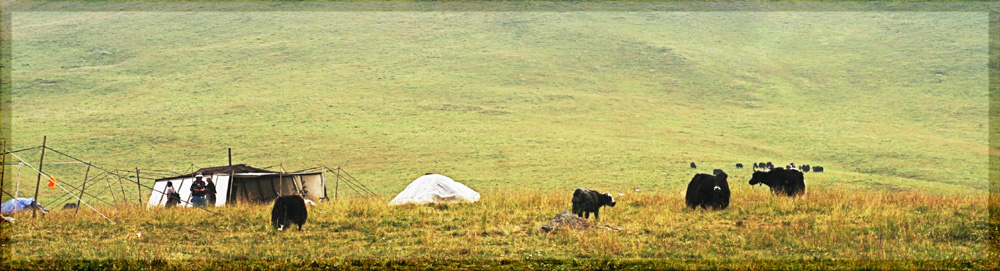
(244, 184)
(234, 169)
(435, 188)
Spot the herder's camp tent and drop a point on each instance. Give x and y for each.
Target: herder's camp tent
(244, 184)
(435, 188)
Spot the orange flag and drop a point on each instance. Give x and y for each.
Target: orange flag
(52, 182)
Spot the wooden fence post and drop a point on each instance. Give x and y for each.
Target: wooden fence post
(138, 184)
(78, 200)
(122, 186)
(39, 180)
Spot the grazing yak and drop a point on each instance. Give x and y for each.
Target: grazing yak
(693, 165)
(287, 210)
(804, 168)
(708, 191)
(717, 171)
(754, 165)
(739, 165)
(817, 169)
(70, 206)
(586, 201)
(769, 165)
(781, 181)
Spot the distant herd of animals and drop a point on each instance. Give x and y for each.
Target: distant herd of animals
(704, 190)
(711, 191)
(769, 166)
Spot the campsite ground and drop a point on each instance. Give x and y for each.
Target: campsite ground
(523, 105)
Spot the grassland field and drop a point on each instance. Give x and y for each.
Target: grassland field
(523, 106)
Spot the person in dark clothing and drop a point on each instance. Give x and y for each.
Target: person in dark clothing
(210, 191)
(173, 198)
(198, 190)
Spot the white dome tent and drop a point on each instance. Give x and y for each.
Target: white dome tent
(435, 188)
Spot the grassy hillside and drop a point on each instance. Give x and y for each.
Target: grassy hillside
(549, 100)
(522, 106)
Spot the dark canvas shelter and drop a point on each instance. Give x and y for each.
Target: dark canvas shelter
(245, 184)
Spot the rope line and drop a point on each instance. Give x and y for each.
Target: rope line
(126, 178)
(356, 181)
(7, 151)
(353, 182)
(75, 189)
(347, 182)
(64, 189)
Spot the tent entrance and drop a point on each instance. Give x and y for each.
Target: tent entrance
(261, 189)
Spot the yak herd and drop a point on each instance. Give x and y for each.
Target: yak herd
(710, 191)
(704, 190)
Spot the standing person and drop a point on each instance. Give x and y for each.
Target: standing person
(210, 191)
(173, 198)
(198, 191)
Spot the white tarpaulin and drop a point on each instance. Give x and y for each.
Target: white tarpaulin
(435, 188)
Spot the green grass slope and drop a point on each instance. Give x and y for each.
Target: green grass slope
(533, 100)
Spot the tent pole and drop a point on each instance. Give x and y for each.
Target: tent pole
(230, 156)
(78, 200)
(138, 184)
(122, 186)
(108, 183)
(229, 188)
(326, 195)
(178, 189)
(39, 180)
(276, 191)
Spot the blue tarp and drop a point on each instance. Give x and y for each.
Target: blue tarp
(18, 204)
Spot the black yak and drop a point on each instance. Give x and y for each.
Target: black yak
(708, 191)
(787, 182)
(586, 201)
(693, 165)
(804, 168)
(717, 171)
(817, 169)
(739, 165)
(769, 165)
(287, 210)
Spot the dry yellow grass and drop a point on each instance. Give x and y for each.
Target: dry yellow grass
(826, 229)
